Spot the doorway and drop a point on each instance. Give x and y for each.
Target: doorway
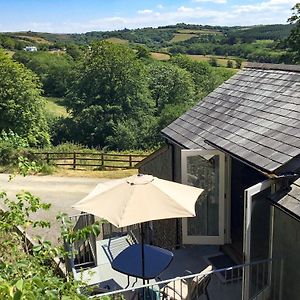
(242, 177)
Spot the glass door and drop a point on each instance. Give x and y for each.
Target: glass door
(258, 227)
(205, 169)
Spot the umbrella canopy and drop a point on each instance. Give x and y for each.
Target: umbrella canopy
(140, 198)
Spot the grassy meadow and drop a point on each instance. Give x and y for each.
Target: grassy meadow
(54, 107)
(160, 56)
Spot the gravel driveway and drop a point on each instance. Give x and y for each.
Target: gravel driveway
(61, 192)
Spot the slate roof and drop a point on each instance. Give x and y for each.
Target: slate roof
(255, 116)
(292, 200)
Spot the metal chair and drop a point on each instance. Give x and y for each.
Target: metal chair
(183, 289)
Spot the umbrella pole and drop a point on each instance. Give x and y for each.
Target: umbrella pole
(143, 253)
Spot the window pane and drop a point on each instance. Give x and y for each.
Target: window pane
(203, 172)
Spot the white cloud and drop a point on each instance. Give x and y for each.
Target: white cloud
(213, 1)
(261, 12)
(184, 9)
(145, 12)
(159, 6)
(265, 6)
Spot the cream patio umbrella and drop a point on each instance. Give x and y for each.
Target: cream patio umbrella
(140, 198)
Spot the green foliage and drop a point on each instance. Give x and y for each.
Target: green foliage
(21, 105)
(142, 52)
(173, 91)
(238, 63)
(13, 139)
(293, 41)
(221, 74)
(109, 87)
(213, 62)
(108, 111)
(202, 74)
(11, 145)
(74, 51)
(53, 69)
(70, 236)
(135, 134)
(16, 155)
(229, 64)
(25, 271)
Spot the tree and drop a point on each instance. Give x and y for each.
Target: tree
(293, 41)
(52, 69)
(109, 87)
(201, 71)
(173, 91)
(142, 52)
(21, 105)
(74, 51)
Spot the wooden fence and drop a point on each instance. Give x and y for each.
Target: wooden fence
(91, 159)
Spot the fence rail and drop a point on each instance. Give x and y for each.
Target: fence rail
(91, 159)
(225, 284)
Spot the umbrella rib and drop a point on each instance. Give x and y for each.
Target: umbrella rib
(125, 206)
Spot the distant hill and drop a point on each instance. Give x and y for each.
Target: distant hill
(155, 37)
(255, 43)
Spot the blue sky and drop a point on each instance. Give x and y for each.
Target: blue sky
(68, 16)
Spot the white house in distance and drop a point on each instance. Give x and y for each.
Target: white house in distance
(30, 49)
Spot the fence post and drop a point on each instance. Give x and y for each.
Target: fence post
(74, 160)
(47, 158)
(102, 159)
(130, 161)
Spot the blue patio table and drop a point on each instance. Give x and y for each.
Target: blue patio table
(130, 261)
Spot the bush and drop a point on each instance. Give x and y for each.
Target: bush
(229, 64)
(10, 146)
(28, 272)
(213, 62)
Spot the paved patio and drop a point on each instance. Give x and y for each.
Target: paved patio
(191, 258)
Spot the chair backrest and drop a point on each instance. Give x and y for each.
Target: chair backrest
(199, 284)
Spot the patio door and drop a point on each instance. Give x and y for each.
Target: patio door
(205, 169)
(258, 231)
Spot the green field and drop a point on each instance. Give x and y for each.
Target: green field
(186, 34)
(180, 37)
(221, 60)
(115, 40)
(9, 53)
(198, 31)
(55, 108)
(35, 39)
(160, 56)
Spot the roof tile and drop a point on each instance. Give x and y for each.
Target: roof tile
(254, 115)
